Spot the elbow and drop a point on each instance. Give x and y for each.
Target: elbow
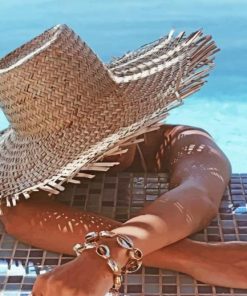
(14, 229)
(7, 226)
(201, 205)
(228, 169)
(209, 210)
(8, 219)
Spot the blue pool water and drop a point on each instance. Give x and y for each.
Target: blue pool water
(113, 27)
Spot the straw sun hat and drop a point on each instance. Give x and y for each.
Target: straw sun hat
(67, 109)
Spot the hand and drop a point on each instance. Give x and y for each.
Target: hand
(86, 275)
(210, 264)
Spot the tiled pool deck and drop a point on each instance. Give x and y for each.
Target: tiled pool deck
(119, 196)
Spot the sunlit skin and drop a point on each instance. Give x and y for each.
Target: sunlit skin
(199, 173)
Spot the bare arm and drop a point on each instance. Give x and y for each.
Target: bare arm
(48, 224)
(199, 174)
(196, 190)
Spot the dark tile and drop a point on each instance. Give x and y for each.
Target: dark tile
(169, 280)
(242, 223)
(240, 291)
(228, 231)
(19, 253)
(110, 185)
(204, 289)
(242, 230)
(169, 289)
(107, 203)
(15, 279)
(26, 288)
(34, 261)
(36, 253)
(51, 261)
(151, 270)
(152, 279)
(222, 290)
(63, 261)
(226, 216)
(134, 288)
(214, 238)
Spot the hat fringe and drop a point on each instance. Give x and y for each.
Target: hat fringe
(187, 58)
(55, 187)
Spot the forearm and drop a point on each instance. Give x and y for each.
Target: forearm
(56, 227)
(170, 218)
(51, 225)
(30, 223)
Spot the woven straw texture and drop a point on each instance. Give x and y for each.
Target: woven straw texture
(66, 108)
(120, 196)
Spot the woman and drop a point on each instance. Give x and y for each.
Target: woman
(198, 175)
(65, 108)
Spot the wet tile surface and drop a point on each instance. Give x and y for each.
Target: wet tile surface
(120, 197)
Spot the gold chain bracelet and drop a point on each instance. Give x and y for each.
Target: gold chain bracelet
(135, 255)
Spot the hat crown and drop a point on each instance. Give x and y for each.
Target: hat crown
(40, 79)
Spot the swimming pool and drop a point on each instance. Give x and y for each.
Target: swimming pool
(112, 27)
